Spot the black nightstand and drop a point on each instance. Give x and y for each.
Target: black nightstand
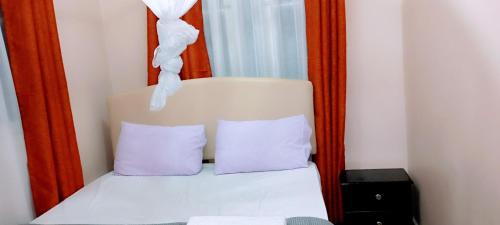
(377, 197)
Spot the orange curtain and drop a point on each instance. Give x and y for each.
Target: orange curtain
(326, 44)
(37, 69)
(196, 62)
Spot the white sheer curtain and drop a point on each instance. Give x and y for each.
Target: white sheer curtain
(15, 194)
(259, 38)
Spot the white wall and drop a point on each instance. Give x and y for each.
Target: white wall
(376, 112)
(15, 194)
(452, 55)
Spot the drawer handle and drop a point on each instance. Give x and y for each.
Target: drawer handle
(379, 223)
(378, 197)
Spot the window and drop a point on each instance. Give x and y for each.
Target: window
(257, 38)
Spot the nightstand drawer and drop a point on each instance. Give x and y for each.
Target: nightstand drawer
(377, 197)
(375, 218)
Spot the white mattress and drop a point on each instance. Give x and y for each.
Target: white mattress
(146, 200)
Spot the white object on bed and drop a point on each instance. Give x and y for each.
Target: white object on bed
(236, 220)
(174, 35)
(163, 199)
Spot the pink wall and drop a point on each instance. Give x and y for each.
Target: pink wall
(103, 43)
(376, 112)
(452, 55)
(85, 62)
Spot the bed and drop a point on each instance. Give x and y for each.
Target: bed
(169, 199)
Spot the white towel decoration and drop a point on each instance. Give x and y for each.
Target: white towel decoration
(236, 220)
(174, 36)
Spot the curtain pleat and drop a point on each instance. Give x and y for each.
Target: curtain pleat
(37, 69)
(196, 61)
(152, 44)
(326, 44)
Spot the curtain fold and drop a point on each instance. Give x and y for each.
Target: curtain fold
(196, 62)
(37, 69)
(326, 44)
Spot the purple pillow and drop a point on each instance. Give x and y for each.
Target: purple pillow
(262, 145)
(146, 150)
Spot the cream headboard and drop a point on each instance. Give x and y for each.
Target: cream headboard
(204, 101)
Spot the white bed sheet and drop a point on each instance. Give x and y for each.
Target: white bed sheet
(147, 200)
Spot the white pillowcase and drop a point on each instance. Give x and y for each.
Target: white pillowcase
(148, 150)
(262, 145)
